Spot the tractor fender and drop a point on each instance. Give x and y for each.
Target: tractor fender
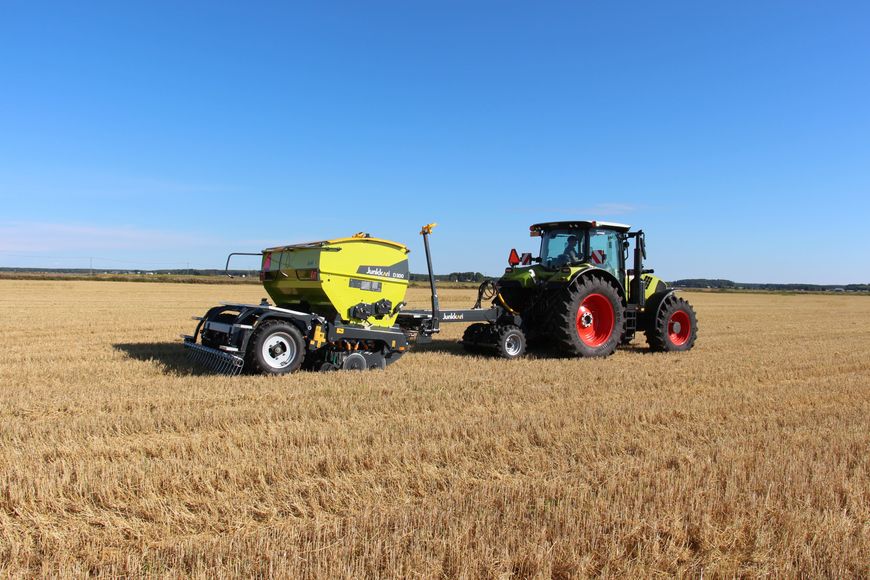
(654, 305)
(599, 273)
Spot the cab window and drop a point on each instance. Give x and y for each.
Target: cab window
(561, 247)
(604, 250)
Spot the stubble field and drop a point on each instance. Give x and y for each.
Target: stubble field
(747, 456)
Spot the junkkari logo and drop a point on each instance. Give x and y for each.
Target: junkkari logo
(397, 271)
(375, 271)
(453, 316)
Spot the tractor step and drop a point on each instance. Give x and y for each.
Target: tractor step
(631, 320)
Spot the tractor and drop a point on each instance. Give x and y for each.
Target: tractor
(339, 304)
(579, 296)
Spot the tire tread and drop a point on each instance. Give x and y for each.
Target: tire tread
(564, 327)
(254, 363)
(656, 333)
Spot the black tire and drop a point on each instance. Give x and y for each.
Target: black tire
(375, 361)
(354, 362)
(269, 345)
(601, 335)
(510, 342)
(378, 364)
(667, 333)
(474, 336)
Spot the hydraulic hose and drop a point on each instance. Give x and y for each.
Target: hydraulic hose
(505, 304)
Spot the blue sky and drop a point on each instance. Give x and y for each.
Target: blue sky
(148, 135)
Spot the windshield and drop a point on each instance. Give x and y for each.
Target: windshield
(562, 247)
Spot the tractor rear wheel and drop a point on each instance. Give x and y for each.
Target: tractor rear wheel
(277, 348)
(675, 327)
(589, 319)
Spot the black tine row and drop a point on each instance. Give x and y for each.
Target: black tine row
(216, 361)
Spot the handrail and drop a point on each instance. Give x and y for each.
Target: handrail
(227, 267)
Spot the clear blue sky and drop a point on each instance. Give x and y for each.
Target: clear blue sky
(157, 134)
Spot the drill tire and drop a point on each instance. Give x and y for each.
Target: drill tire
(265, 354)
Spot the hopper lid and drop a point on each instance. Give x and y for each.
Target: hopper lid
(353, 239)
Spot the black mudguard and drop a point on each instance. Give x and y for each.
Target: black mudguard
(652, 308)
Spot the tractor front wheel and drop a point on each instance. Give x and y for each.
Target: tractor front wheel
(675, 328)
(277, 348)
(590, 319)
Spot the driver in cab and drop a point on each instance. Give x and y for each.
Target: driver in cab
(570, 254)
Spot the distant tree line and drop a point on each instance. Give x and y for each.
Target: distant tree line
(451, 277)
(711, 283)
(170, 272)
(719, 284)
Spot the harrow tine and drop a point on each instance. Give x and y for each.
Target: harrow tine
(214, 360)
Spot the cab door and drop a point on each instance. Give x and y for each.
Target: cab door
(605, 251)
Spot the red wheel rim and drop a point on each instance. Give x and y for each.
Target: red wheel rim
(679, 328)
(595, 320)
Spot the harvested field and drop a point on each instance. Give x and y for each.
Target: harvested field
(747, 456)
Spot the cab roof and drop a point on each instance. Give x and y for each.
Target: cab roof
(580, 224)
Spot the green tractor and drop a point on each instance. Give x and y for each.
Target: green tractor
(580, 296)
(339, 304)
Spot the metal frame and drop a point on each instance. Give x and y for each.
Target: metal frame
(234, 337)
(227, 266)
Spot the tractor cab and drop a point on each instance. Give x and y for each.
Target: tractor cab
(572, 244)
(571, 247)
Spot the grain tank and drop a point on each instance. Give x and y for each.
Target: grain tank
(357, 280)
